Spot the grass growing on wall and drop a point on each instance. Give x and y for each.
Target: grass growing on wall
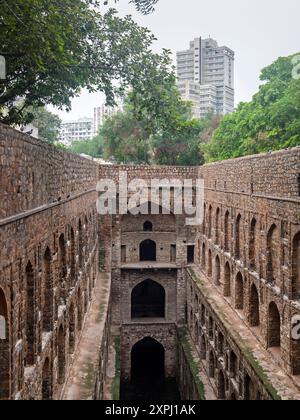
(182, 333)
(246, 351)
(115, 388)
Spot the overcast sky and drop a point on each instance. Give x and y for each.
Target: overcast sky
(258, 31)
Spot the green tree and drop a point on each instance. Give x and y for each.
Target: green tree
(166, 135)
(53, 49)
(271, 121)
(93, 147)
(143, 6)
(47, 123)
(126, 139)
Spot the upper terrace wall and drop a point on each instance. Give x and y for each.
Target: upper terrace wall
(33, 173)
(274, 174)
(148, 172)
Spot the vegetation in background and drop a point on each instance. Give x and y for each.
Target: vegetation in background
(53, 49)
(143, 6)
(93, 147)
(170, 137)
(271, 121)
(47, 123)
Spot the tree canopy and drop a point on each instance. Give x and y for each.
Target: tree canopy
(47, 123)
(171, 137)
(54, 49)
(271, 121)
(143, 6)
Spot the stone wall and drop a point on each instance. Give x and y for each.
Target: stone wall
(48, 262)
(249, 244)
(53, 243)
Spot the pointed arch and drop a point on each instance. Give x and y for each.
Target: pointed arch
(209, 271)
(61, 353)
(211, 365)
(252, 244)
(80, 244)
(221, 386)
(148, 250)
(48, 293)
(47, 381)
(203, 257)
(73, 256)
(254, 307)
(238, 237)
(4, 349)
(273, 255)
(227, 280)
(72, 330)
(226, 231)
(239, 292)
(274, 326)
(296, 267)
(217, 222)
(148, 300)
(30, 315)
(148, 226)
(210, 222)
(147, 361)
(217, 270)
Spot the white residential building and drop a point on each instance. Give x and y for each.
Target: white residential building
(212, 68)
(103, 112)
(81, 129)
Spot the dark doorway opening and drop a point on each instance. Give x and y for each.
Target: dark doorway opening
(148, 226)
(148, 250)
(148, 380)
(191, 254)
(148, 300)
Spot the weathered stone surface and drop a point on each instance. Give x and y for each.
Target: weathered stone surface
(233, 283)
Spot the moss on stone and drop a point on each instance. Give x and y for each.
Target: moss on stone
(115, 387)
(246, 351)
(89, 381)
(182, 333)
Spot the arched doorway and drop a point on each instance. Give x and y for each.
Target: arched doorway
(148, 250)
(4, 349)
(217, 227)
(249, 391)
(30, 316)
(273, 255)
(61, 352)
(274, 335)
(296, 267)
(148, 381)
(211, 365)
(238, 237)
(239, 292)
(203, 348)
(47, 381)
(254, 307)
(203, 258)
(72, 331)
(218, 271)
(148, 226)
(209, 271)
(221, 386)
(227, 280)
(226, 231)
(148, 360)
(79, 309)
(48, 293)
(252, 245)
(148, 300)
